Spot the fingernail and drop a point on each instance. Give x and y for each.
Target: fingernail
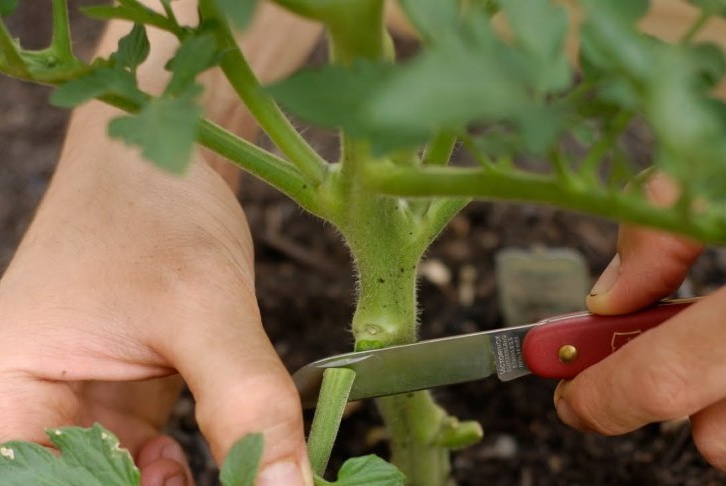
(176, 481)
(608, 277)
(282, 473)
(174, 452)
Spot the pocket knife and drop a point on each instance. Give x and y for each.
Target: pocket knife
(559, 347)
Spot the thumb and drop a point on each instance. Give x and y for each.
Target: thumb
(241, 387)
(648, 265)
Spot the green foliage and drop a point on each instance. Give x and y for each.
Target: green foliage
(88, 457)
(133, 49)
(164, 129)
(366, 471)
(239, 12)
(243, 461)
(97, 83)
(7, 7)
(466, 75)
(711, 7)
(195, 55)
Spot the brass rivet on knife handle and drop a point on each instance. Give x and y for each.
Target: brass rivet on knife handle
(567, 353)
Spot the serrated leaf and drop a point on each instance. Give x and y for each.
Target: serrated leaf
(243, 461)
(238, 12)
(88, 457)
(133, 49)
(99, 82)
(7, 7)
(195, 55)
(165, 130)
(368, 470)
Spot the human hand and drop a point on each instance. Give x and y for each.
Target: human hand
(128, 275)
(669, 372)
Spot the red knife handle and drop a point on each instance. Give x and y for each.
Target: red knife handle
(564, 346)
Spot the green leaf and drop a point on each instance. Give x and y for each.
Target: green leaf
(331, 96)
(540, 30)
(243, 461)
(165, 130)
(99, 82)
(709, 61)
(711, 7)
(88, 457)
(133, 49)
(432, 19)
(238, 12)
(7, 7)
(195, 55)
(368, 470)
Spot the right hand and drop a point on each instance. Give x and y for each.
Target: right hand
(674, 370)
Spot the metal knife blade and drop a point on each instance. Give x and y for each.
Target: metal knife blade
(422, 365)
(558, 347)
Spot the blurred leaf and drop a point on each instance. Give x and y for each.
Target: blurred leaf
(540, 29)
(7, 7)
(709, 61)
(368, 470)
(88, 457)
(432, 19)
(195, 55)
(99, 82)
(711, 7)
(165, 129)
(331, 96)
(133, 49)
(238, 12)
(243, 461)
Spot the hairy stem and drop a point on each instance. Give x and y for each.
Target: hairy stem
(440, 149)
(62, 45)
(267, 113)
(14, 63)
(522, 186)
(334, 392)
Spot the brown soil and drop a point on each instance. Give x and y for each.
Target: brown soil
(305, 288)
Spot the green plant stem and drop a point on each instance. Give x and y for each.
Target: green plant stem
(14, 61)
(166, 5)
(334, 392)
(271, 169)
(522, 186)
(261, 105)
(440, 149)
(414, 420)
(594, 156)
(696, 27)
(62, 45)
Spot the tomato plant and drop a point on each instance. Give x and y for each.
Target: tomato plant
(504, 97)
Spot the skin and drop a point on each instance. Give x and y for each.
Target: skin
(672, 371)
(130, 280)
